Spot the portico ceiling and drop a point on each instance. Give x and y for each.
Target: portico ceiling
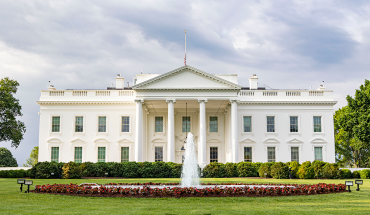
(181, 104)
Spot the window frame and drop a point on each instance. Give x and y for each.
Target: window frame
(51, 154)
(163, 125)
(51, 125)
(268, 160)
(313, 124)
(290, 125)
(275, 123)
(105, 154)
(106, 124)
(190, 126)
(83, 127)
(247, 132)
(52, 117)
(129, 125)
(251, 159)
(217, 124)
(74, 153)
(322, 154)
(291, 155)
(128, 151)
(155, 153)
(210, 154)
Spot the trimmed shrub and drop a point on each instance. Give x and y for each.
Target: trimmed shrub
(72, 170)
(14, 173)
(161, 170)
(345, 173)
(317, 167)
(176, 169)
(44, 170)
(246, 169)
(305, 171)
(280, 170)
(214, 170)
(265, 168)
(294, 165)
(365, 174)
(146, 170)
(330, 171)
(356, 174)
(230, 170)
(130, 170)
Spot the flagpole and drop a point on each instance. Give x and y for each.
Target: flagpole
(185, 49)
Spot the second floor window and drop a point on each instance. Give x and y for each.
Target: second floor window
(294, 124)
(55, 125)
(213, 124)
(270, 124)
(317, 124)
(79, 126)
(247, 122)
(125, 124)
(159, 124)
(186, 124)
(102, 124)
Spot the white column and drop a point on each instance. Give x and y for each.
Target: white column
(202, 146)
(139, 131)
(171, 131)
(234, 130)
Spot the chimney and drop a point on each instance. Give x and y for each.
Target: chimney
(253, 82)
(321, 86)
(51, 87)
(120, 82)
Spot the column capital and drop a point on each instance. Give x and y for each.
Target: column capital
(171, 100)
(139, 100)
(234, 100)
(202, 100)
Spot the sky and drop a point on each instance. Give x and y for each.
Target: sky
(83, 45)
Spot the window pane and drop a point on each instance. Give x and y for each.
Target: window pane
(213, 154)
(294, 124)
(213, 127)
(247, 154)
(79, 124)
(101, 154)
(158, 154)
(124, 154)
(55, 125)
(125, 124)
(270, 124)
(158, 124)
(247, 124)
(318, 153)
(294, 154)
(186, 124)
(102, 124)
(78, 154)
(270, 154)
(317, 123)
(55, 154)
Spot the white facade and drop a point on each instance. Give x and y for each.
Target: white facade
(225, 119)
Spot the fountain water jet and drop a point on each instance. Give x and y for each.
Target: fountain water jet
(190, 173)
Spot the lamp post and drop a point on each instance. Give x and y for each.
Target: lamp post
(349, 184)
(28, 182)
(290, 173)
(358, 182)
(106, 174)
(21, 182)
(265, 175)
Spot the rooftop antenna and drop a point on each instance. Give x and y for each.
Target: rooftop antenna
(185, 50)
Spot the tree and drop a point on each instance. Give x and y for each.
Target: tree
(6, 158)
(352, 129)
(34, 157)
(11, 129)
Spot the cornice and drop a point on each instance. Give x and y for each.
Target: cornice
(189, 89)
(288, 103)
(83, 103)
(191, 69)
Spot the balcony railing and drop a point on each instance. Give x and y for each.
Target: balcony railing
(285, 95)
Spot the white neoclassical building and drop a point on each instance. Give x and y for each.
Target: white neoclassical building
(149, 121)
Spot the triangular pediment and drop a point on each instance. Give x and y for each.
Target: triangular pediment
(295, 141)
(248, 141)
(125, 141)
(186, 77)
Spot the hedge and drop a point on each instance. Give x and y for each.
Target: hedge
(365, 174)
(14, 173)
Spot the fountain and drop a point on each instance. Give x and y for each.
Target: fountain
(190, 173)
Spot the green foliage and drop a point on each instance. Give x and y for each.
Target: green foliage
(14, 173)
(305, 171)
(230, 170)
(175, 169)
(130, 170)
(44, 170)
(34, 157)
(330, 171)
(265, 168)
(246, 169)
(11, 129)
(356, 174)
(214, 170)
(72, 170)
(317, 167)
(365, 174)
(280, 170)
(6, 158)
(294, 165)
(345, 173)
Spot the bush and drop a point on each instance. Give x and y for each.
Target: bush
(230, 170)
(265, 168)
(6, 158)
(130, 170)
(365, 174)
(305, 171)
(294, 165)
(356, 174)
(317, 167)
(345, 173)
(246, 169)
(44, 169)
(330, 171)
(72, 170)
(280, 170)
(176, 169)
(214, 170)
(13, 173)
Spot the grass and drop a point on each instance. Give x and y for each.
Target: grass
(12, 201)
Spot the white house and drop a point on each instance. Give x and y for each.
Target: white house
(149, 121)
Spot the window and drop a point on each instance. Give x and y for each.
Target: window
(158, 154)
(101, 154)
(318, 153)
(213, 126)
(125, 124)
(79, 126)
(294, 124)
(159, 124)
(247, 154)
(55, 125)
(55, 154)
(125, 154)
(270, 124)
(186, 124)
(317, 124)
(294, 152)
(78, 154)
(213, 157)
(270, 154)
(102, 124)
(247, 121)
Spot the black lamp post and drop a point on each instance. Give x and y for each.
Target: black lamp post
(28, 182)
(265, 175)
(52, 175)
(21, 182)
(290, 173)
(106, 174)
(349, 184)
(358, 182)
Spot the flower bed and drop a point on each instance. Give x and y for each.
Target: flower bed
(212, 191)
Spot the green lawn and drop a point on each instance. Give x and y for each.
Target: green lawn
(12, 201)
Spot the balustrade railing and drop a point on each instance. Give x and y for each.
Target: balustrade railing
(56, 93)
(270, 93)
(126, 93)
(293, 93)
(79, 93)
(102, 93)
(316, 93)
